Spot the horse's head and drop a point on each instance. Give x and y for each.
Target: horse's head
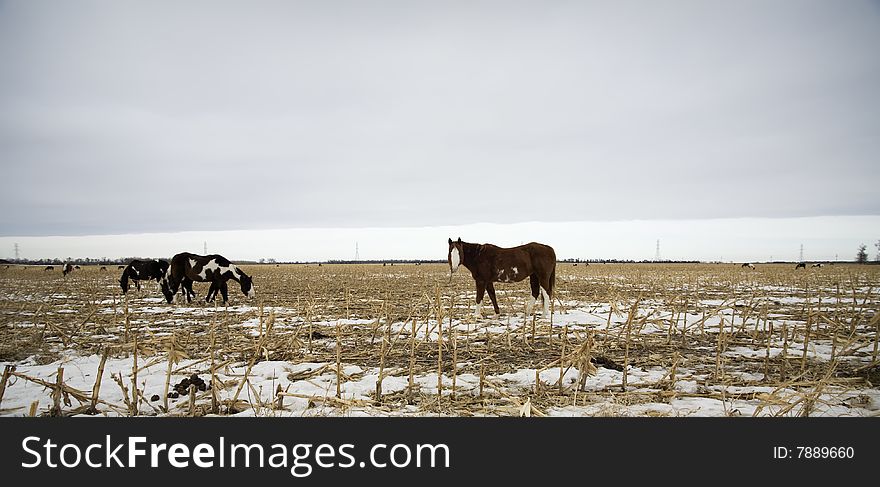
(166, 286)
(166, 290)
(123, 283)
(247, 285)
(455, 253)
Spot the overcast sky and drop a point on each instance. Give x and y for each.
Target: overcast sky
(159, 117)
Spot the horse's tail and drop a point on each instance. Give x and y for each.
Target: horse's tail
(552, 283)
(123, 282)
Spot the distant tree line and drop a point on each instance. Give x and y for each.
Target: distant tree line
(78, 261)
(861, 258)
(627, 261)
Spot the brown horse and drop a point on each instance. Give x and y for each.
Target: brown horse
(489, 263)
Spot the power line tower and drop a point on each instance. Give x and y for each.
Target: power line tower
(357, 254)
(801, 259)
(657, 252)
(16, 252)
(205, 247)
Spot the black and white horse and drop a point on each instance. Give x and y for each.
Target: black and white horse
(142, 270)
(186, 268)
(749, 265)
(66, 269)
(801, 265)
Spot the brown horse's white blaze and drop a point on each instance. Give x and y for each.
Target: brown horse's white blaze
(454, 260)
(489, 263)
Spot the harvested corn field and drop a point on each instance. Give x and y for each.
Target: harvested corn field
(402, 340)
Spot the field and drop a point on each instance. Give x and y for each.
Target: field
(356, 340)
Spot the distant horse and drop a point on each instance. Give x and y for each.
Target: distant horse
(802, 265)
(489, 263)
(66, 269)
(120, 267)
(103, 268)
(142, 270)
(185, 268)
(749, 265)
(818, 264)
(49, 268)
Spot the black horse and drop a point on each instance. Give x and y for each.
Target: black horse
(186, 268)
(142, 270)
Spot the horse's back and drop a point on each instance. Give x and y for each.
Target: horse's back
(542, 255)
(541, 258)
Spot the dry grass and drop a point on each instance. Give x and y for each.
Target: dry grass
(416, 322)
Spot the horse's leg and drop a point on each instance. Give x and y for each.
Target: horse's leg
(188, 290)
(137, 284)
(212, 291)
(174, 286)
(547, 291)
(481, 288)
(491, 290)
(536, 291)
(224, 291)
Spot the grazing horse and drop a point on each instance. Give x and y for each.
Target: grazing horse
(802, 265)
(66, 269)
(186, 268)
(489, 263)
(749, 265)
(818, 264)
(120, 267)
(103, 268)
(142, 270)
(49, 268)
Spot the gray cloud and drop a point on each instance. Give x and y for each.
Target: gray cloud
(157, 117)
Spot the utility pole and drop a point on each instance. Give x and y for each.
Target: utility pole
(657, 252)
(802, 254)
(357, 254)
(16, 252)
(205, 247)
